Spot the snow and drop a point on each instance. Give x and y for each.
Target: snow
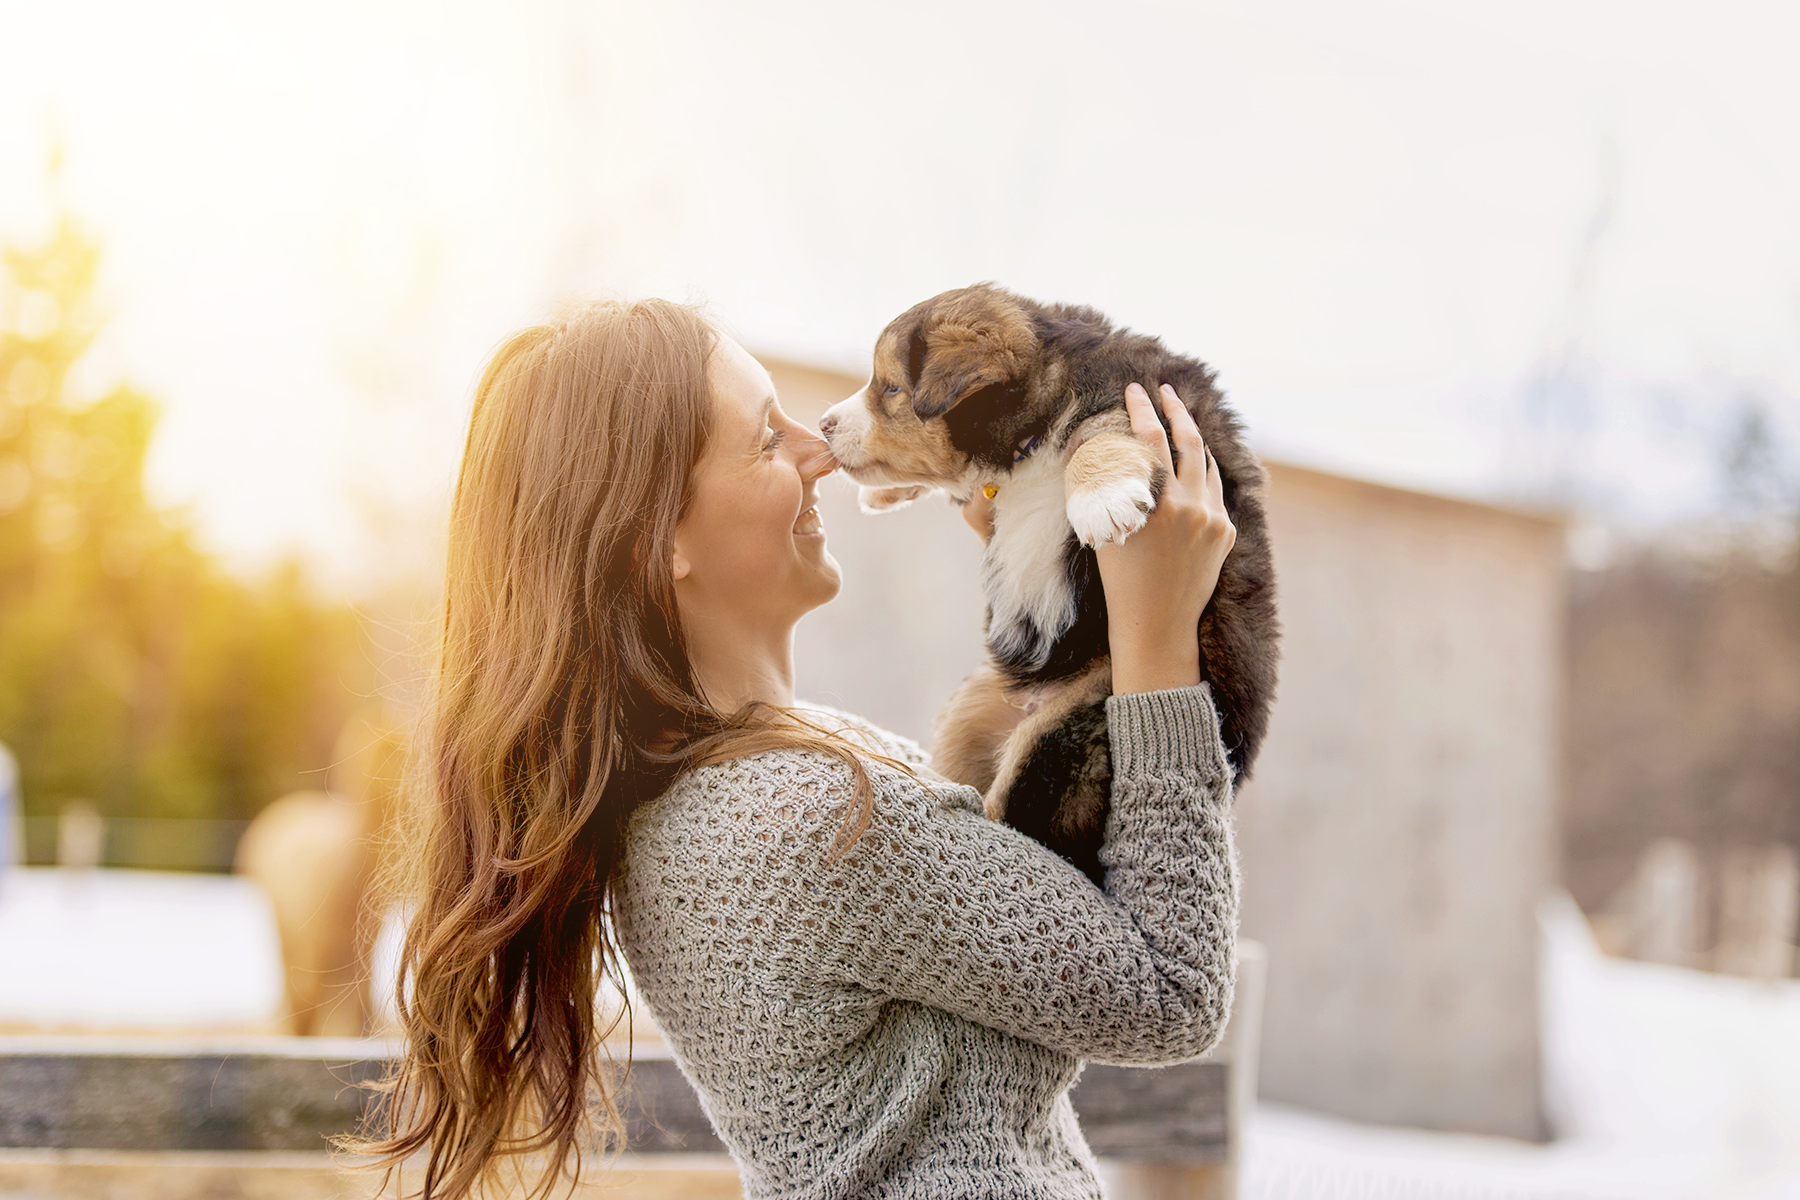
(1638, 1054)
(1661, 1083)
(137, 950)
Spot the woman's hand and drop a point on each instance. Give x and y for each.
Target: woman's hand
(1160, 578)
(979, 513)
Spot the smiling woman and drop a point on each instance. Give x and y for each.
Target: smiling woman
(628, 488)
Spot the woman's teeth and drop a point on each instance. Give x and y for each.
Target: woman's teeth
(809, 522)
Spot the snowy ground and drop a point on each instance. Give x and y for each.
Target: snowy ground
(1664, 1084)
(135, 950)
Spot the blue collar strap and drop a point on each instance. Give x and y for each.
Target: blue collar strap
(1022, 452)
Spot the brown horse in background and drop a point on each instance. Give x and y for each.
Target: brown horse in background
(318, 856)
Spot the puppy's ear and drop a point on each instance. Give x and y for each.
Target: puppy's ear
(887, 499)
(983, 339)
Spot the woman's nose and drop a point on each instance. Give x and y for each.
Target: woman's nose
(812, 455)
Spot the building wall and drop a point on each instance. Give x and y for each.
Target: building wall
(1398, 833)
(1400, 829)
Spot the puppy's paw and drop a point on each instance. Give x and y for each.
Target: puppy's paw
(1111, 511)
(886, 499)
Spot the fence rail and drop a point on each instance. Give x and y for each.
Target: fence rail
(154, 843)
(294, 1094)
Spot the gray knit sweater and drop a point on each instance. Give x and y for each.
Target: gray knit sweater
(907, 1020)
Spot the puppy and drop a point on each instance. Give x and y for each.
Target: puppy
(978, 389)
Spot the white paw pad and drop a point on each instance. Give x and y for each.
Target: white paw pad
(885, 499)
(1110, 512)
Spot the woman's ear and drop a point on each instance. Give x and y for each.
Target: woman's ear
(678, 564)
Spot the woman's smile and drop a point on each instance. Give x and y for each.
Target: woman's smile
(750, 550)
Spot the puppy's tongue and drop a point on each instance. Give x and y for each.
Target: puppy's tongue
(809, 522)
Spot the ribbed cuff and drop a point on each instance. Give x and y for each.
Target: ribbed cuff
(1177, 728)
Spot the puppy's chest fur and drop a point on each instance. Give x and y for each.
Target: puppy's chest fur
(1087, 479)
(1032, 598)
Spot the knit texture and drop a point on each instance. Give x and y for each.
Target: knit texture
(907, 1020)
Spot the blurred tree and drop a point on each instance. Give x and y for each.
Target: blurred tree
(1760, 492)
(134, 671)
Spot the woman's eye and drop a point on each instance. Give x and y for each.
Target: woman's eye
(775, 439)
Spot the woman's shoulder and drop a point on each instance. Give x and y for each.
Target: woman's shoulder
(882, 741)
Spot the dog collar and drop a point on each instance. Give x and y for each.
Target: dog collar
(990, 490)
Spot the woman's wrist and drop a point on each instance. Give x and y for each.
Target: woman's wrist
(1151, 667)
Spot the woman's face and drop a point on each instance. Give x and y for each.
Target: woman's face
(751, 549)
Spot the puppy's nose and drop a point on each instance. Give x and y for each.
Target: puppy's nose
(827, 424)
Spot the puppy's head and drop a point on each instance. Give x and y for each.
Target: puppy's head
(901, 430)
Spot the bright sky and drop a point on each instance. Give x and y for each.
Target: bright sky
(1386, 224)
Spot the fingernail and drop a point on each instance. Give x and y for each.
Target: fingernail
(1169, 389)
(1138, 388)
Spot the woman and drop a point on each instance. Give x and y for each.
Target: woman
(874, 990)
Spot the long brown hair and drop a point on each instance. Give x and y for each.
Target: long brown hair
(563, 699)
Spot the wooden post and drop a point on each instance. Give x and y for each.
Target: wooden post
(1665, 905)
(80, 837)
(12, 813)
(1759, 894)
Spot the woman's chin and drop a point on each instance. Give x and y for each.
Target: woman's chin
(830, 578)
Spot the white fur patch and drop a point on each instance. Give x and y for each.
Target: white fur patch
(1111, 512)
(1026, 583)
(852, 426)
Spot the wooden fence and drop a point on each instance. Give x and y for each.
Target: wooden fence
(1171, 1132)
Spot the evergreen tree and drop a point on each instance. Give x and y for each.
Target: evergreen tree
(134, 671)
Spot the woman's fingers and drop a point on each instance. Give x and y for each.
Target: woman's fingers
(1145, 424)
(1160, 579)
(1185, 433)
(1215, 503)
(978, 513)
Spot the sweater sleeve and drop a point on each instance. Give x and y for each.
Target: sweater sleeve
(935, 904)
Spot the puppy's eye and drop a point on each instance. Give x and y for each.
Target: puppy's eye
(892, 389)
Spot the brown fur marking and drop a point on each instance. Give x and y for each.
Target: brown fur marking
(979, 338)
(1108, 458)
(904, 447)
(968, 733)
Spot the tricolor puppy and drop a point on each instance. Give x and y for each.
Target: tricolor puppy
(982, 390)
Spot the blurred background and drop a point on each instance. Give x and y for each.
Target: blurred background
(1508, 295)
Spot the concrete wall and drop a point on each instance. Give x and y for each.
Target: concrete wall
(1398, 833)
(1401, 825)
